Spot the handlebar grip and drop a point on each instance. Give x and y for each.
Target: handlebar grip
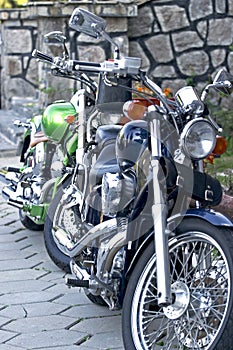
(42, 56)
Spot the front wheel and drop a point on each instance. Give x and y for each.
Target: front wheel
(201, 314)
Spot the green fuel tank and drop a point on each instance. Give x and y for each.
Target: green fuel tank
(53, 120)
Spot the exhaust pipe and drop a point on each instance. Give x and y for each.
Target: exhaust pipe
(8, 193)
(12, 177)
(101, 230)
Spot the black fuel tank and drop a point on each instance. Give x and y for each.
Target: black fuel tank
(131, 142)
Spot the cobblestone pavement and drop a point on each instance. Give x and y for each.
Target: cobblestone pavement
(37, 310)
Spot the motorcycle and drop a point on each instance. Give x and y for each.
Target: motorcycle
(145, 239)
(49, 145)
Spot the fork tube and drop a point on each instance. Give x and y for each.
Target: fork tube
(159, 213)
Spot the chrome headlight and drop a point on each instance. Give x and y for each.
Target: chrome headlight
(198, 139)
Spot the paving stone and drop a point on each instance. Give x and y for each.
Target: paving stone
(6, 237)
(39, 324)
(37, 309)
(87, 312)
(105, 324)
(111, 340)
(43, 309)
(69, 347)
(72, 297)
(24, 286)
(17, 264)
(65, 292)
(6, 336)
(41, 340)
(8, 347)
(27, 297)
(20, 275)
(11, 254)
(13, 312)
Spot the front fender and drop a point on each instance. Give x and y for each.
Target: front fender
(209, 215)
(213, 217)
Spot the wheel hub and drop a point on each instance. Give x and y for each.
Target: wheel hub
(181, 295)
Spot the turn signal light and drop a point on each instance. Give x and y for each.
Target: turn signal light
(134, 109)
(70, 119)
(220, 146)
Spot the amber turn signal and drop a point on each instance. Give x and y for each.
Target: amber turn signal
(70, 119)
(220, 146)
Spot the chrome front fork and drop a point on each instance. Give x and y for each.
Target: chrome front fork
(159, 212)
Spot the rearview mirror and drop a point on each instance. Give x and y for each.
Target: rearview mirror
(55, 36)
(223, 81)
(60, 37)
(87, 23)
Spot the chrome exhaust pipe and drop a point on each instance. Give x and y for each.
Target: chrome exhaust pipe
(8, 193)
(12, 177)
(101, 230)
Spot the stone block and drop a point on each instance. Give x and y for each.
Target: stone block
(217, 57)
(200, 9)
(19, 87)
(137, 51)
(171, 17)
(230, 7)
(141, 25)
(220, 32)
(91, 53)
(164, 71)
(193, 63)
(202, 29)
(18, 40)
(230, 61)
(160, 48)
(220, 6)
(117, 24)
(186, 40)
(14, 65)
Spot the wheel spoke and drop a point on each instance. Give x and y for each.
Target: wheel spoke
(198, 269)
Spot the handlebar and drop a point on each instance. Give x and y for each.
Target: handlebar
(42, 56)
(127, 65)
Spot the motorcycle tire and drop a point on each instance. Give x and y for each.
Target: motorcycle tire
(56, 255)
(28, 223)
(201, 314)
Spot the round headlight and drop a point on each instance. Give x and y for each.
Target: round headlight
(198, 139)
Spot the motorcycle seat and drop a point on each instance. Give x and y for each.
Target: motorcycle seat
(106, 133)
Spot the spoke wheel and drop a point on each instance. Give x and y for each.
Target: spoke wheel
(200, 316)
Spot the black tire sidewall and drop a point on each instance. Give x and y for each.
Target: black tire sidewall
(57, 256)
(29, 223)
(187, 225)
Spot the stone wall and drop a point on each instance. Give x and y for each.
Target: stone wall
(180, 42)
(22, 31)
(184, 41)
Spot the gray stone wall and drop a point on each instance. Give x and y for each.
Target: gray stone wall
(22, 30)
(180, 42)
(183, 41)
